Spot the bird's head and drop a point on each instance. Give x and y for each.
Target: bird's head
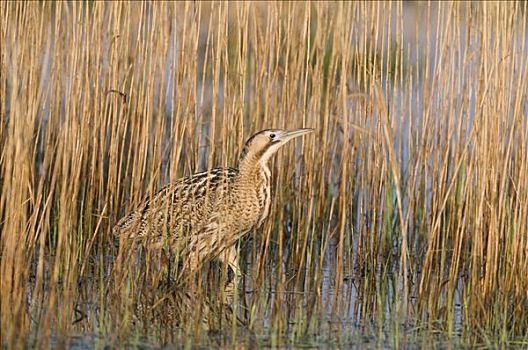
(261, 146)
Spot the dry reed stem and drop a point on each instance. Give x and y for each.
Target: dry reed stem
(410, 204)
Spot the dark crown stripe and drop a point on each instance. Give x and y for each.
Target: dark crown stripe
(247, 145)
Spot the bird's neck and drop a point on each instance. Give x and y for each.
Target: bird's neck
(250, 167)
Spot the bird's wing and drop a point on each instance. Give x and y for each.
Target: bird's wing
(135, 224)
(204, 244)
(178, 209)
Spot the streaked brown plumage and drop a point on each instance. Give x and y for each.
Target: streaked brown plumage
(202, 216)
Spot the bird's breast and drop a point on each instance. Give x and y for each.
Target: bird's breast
(251, 201)
(264, 195)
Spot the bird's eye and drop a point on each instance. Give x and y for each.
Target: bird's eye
(272, 136)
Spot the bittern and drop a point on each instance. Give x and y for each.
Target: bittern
(201, 217)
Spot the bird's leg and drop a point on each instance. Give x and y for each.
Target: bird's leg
(169, 267)
(230, 259)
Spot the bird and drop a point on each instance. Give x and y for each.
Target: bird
(201, 217)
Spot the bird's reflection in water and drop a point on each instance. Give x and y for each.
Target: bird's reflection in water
(206, 306)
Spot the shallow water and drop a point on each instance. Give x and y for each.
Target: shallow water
(167, 318)
(349, 337)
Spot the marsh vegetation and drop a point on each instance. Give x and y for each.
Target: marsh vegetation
(403, 220)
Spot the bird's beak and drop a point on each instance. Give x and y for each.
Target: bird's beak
(290, 134)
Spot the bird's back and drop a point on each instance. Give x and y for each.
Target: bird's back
(178, 210)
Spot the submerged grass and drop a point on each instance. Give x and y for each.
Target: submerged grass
(408, 210)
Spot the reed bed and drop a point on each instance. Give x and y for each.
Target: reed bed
(407, 210)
